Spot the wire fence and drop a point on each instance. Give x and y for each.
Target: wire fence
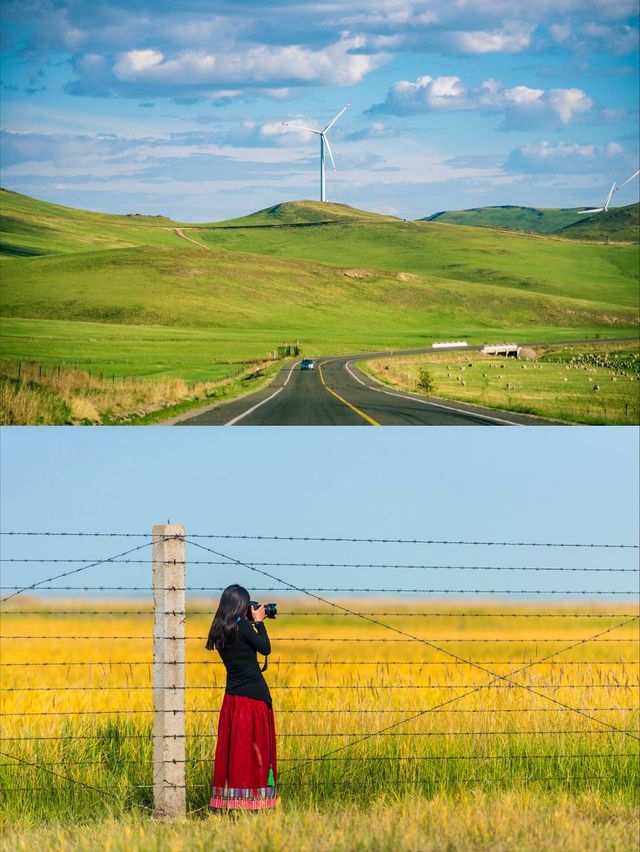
(60, 707)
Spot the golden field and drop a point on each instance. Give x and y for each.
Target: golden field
(81, 707)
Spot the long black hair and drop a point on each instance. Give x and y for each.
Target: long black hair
(234, 604)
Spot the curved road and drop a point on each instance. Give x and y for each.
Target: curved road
(337, 393)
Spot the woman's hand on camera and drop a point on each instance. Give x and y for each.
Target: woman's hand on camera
(259, 613)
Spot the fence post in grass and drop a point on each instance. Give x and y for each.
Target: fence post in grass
(169, 793)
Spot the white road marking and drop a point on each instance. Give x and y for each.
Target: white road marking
(426, 402)
(254, 407)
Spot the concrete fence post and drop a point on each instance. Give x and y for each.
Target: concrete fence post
(169, 793)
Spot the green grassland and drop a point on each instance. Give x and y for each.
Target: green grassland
(598, 385)
(449, 253)
(618, 224)
(131, 295)
(29, 227)
(537, 220)
(306, 213)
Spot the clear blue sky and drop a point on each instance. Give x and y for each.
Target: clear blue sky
(543, 484)
(178, 108)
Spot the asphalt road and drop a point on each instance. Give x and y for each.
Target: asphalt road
(337, 393)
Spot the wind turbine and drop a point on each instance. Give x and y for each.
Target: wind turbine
(635, 174)
(324, 143)
(613, 189)
(606, 203)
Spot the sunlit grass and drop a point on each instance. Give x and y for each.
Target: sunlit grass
(598, 385)
(33, 394)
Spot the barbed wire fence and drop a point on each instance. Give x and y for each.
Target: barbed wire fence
(170, 664)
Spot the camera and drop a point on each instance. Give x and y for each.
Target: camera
(270, 610)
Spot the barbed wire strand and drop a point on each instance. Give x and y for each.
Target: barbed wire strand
(513, 641)
(561, 756)
(443, 686)
(329, 614)
(316, 663)
(208, 710)
(425, 613)
(337, 539)
(348, 784)
(22, 763)
(386, 565)
(212, 589)
(74, 571)
(293, 613)
(150, 737)
(311, 782)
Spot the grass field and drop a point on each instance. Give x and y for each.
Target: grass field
(477, 822)
(596, 384)
(537, 220)
(149, 298)
(618, 224)
(483, 769)
(49, 395)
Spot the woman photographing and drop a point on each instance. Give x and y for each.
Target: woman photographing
(245, 769)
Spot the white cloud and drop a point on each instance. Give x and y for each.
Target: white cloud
(592, 36)
(258, 65)
(568, 158)
(269, 133)
(520, 105)
(136, 62)
(567, 103)
(513, 38)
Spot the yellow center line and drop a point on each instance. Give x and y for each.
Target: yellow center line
(345, 401)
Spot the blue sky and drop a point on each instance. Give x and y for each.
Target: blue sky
(543, 484)
(179, 108)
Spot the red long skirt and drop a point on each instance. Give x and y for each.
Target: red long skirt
(245, 768)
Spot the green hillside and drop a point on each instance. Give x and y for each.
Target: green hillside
(516, 262)
(617, 224)
(535, 220)
(29, 227)
(305, 213)
(133, 295)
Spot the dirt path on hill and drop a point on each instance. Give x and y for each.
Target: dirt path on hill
(180, 233)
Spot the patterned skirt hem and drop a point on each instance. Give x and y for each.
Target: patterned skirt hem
(222, 803)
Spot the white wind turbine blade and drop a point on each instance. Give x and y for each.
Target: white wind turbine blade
(592, 210)
(326, 142)
(335, 118)
(635, 174)
(297, 127)
(608, 201)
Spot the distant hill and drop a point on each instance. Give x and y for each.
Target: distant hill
(619, 224)
(30, 227)
(535, 220)
(306, 213)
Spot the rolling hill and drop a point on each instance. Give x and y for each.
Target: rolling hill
(538, 220)
(306, 213)
(140, 295)
(30, 227)
(617, 224)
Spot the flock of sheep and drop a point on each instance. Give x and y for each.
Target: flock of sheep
(624, 365)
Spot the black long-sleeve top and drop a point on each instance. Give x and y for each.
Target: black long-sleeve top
(241, 662)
